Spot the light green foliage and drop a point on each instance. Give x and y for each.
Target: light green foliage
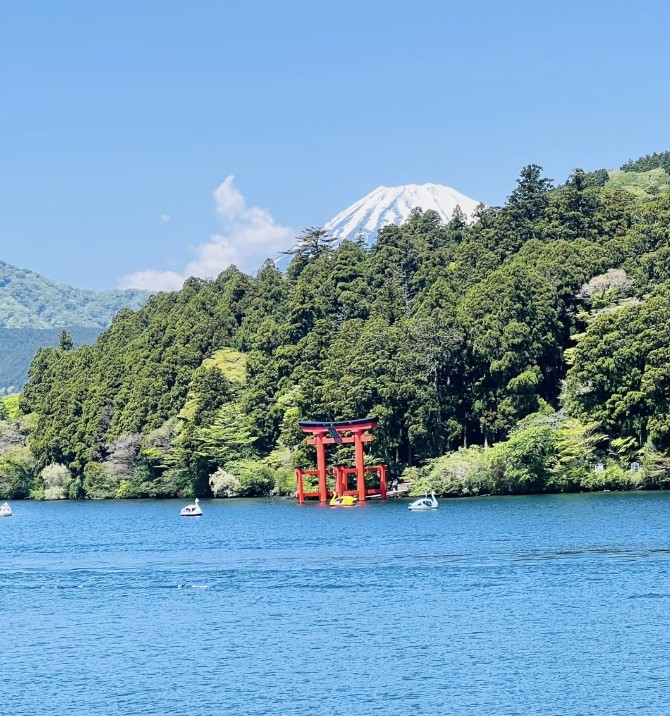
(281, 462)
(10, 407)
(460, 473)
(17, 463)
(98, 482)
(576, 452)
(224, 484)
(623, 451)
(614, 477)
(230, 362)
(157, 444)
(655, 467)
(228, 438)
(606, 289)
(643, 184)
(17, 473)
(141, 484)
(523, 463)
(547, 452)
(254, 478)
(57, 481)
(213, 383)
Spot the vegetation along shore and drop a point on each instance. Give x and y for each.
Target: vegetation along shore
(525, 351)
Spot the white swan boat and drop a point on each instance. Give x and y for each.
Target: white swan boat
(5, 510)
(193, 510)
(424, 503)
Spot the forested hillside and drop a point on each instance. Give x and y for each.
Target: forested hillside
(19, 345)
(508, 355)
(35, 308)
(28, 300)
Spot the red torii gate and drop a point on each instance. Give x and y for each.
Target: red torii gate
(340, 432)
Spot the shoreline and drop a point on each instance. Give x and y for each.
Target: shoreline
(286, 498)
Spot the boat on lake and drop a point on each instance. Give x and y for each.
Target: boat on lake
(424, 503)
(343, 501)
(5, 510)
(193, 510)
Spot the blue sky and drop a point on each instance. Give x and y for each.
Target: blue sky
(119, 120)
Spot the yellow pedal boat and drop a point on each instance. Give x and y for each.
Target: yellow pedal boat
(343, 501)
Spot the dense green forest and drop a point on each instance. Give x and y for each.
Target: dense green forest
(527, 351)
(19, 345)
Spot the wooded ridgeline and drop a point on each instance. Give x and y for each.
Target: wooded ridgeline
(542, 329)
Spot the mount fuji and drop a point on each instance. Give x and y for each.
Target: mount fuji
(392, 205)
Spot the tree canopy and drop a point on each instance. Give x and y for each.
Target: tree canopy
(454, 335)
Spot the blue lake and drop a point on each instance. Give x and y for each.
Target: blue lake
(529, 605)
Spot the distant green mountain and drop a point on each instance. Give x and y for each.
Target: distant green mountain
(33, 310)
(28, 300)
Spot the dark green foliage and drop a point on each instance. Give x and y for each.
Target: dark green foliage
(650, 161)
(451, 334)
(511, 322)
(596, 179)
(19, 345)
(311, 244)
(65, 342)
(621, 371)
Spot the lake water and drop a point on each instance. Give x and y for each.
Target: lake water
(529, 605)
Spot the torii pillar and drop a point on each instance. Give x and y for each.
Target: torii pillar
(319, 435)
(360, 462)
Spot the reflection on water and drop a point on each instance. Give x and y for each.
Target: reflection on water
(536, 605)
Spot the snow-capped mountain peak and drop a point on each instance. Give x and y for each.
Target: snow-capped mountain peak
(392, 205)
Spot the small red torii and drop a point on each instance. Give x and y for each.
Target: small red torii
(340, 432)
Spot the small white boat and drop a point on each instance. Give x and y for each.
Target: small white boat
(5, 510)
(424, 503)
(193, 510)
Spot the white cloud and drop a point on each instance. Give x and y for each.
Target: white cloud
(249, 235)
(164, 218)
(151, 280)
(213, 257)
(230, 203)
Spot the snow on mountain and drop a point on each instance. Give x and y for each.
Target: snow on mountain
(392, 205)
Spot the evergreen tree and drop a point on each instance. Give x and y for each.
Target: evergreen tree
(65, 342)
